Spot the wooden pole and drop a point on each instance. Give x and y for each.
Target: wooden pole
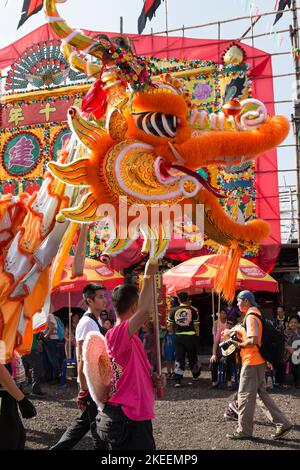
(294, 34)
(159, 391)
(167, 27)
(213, 304)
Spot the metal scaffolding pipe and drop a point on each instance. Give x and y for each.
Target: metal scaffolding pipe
(231, 20)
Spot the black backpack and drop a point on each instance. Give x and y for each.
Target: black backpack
(272, 341)
(101, 329)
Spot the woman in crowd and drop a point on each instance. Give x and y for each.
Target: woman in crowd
(217, 358)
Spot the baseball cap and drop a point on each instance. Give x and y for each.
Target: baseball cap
(248, 295)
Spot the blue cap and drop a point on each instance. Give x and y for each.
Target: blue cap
(248, 295)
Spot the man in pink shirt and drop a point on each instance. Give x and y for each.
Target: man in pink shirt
(125, 421)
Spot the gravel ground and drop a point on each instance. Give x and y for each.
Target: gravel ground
(190, 417)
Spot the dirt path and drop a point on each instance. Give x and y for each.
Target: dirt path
(190, 417)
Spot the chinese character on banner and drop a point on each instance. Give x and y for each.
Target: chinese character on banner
(16, 115)
(21, 153)
(47, 110)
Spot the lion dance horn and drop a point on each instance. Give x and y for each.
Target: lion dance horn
(130, 68)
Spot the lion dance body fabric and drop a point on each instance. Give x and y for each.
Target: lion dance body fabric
(144, 140)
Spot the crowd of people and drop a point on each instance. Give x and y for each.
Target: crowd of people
(123, 418)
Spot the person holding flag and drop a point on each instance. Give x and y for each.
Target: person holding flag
(125, 422)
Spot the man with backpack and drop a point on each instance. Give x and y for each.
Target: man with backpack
(254, 352)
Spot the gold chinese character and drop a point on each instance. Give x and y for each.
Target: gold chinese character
(16, 115)
(47, 110)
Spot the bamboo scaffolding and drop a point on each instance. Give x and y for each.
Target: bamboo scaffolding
(231, 20)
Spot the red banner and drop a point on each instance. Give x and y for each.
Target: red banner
(26, 113)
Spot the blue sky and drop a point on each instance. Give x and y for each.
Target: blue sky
(104, 15)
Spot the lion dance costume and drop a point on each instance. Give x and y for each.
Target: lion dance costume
(145, 141)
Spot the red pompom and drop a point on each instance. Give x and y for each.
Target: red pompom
(232, 108)
(95, 101)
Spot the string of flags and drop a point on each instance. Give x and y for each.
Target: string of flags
(31, 7)
(279, 6)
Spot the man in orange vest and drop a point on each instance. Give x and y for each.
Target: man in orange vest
(252, 378)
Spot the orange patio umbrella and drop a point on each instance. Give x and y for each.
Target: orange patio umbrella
(197, 275)
(94, 271)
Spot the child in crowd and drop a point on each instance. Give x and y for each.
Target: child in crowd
(217, 358)
(168, 351)
(292, 347)
(149, 343)
(108, 324)
(220, 323)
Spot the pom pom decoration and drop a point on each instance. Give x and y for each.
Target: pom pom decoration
(105, 258)
(232, 108)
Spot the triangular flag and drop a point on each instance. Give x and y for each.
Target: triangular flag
(30, 7)
(148, 11)
(281, 6)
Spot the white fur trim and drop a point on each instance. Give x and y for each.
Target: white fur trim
(93, 349)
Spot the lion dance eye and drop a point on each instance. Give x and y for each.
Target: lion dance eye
(160, 125)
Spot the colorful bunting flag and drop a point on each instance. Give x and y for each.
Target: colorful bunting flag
(30, 7)
(281, 6)
(148, 11)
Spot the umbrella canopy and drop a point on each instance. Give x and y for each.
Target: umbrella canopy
(94, 271)
(198, 274)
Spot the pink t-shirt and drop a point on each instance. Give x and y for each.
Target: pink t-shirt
(133, 387)
(218, 336)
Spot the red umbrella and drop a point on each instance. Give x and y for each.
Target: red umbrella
(198, 274)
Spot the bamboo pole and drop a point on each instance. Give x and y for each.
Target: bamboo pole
(231, 20)
(167, 27)
(213, 304)
(294, 34)
(159, 391)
